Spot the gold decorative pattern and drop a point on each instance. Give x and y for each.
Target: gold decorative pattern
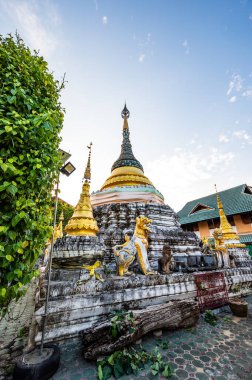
(126, 176)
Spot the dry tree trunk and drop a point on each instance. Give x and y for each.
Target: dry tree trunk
(98, 339)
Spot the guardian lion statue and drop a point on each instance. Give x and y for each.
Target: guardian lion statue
(126, 253)
(221, 249)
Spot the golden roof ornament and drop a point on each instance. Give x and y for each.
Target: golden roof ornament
(230, 237)
(82, 222)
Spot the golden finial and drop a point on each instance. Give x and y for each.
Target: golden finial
(87, 174)
(219, 203)
(125, 115)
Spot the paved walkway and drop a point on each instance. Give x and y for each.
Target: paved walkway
(204, 352)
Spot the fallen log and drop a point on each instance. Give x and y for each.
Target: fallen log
(100, 340)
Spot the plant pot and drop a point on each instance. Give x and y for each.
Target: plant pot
(32, 366)
(239, 307)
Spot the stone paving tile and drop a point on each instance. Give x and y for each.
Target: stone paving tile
(205, 352)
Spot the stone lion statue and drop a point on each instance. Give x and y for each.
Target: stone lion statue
(221, 249)
(165, 260)
(219, 241)
(136, 246)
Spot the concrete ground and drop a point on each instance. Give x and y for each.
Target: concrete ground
(203, 352)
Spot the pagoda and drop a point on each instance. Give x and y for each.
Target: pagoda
(128, 193)
(81, 245)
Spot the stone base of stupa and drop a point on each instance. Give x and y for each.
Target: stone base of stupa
(242, 257)
(74, 251)
(76, 305)
(117, 220)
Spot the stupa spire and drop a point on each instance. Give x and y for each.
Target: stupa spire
(82, 221)
(87, 173)
(126, 157)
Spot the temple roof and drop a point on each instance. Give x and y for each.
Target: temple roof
(236, 200)
(126, 157)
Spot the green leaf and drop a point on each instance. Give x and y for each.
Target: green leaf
(12, 189)
(107, 372)
(3, 228)
(4, 167)
(167, 372)
(2, 292)
(8, 128)
(9, 258)
(18, 272)
(118, 369)
(100, 373)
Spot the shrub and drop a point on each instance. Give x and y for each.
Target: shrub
(31, 118)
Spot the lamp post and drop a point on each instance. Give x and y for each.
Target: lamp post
(67, 169)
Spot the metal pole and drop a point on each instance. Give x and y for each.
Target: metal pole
(49, 270)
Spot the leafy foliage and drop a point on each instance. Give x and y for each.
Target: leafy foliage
(64, 207)
(130, 361)
(120, 320)
(210, 317)
(31, 118)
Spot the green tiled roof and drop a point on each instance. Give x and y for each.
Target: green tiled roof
(246, 238)
(234, 200)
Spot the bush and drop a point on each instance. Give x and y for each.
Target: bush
(31, 118)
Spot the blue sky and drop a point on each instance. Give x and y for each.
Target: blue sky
(184, 68)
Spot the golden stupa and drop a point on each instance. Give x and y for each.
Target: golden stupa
(230, 237)
(82, 222)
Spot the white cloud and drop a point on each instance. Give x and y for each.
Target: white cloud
(104, 20)
(239, 86)
(223, 138)
(185, 172)
(243, 135)
(247, 93)
(186, 47)
(141, 58)
(235, 84)
(233, 99)
(35, 21)
(250, 16)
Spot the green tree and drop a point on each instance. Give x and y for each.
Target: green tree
(31, 117)
(64, 207)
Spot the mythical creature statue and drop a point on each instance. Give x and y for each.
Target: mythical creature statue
(205, 247)
(219, 241)
(165, 260)
(137, 246)
(221, 249)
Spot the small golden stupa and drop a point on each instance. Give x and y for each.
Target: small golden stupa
(230, 237)
(82, 222)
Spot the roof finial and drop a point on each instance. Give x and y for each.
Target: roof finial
(125, 112)
(87, 174)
